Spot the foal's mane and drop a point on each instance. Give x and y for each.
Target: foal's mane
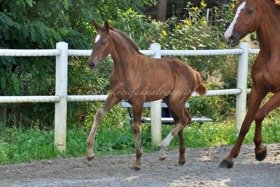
(130, 42)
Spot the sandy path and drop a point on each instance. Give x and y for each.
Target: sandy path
(200, 170)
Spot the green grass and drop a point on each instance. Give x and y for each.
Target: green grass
(19, 145)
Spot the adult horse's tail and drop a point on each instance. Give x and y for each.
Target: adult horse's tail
(200, 88)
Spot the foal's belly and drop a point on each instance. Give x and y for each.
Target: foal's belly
(154, 95)
(146, 93)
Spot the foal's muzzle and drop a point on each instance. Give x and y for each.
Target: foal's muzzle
(92, 64)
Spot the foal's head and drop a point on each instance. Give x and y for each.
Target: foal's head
(246, 20)
(102, 44)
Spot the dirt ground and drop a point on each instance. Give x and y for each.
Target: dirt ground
(201, 169)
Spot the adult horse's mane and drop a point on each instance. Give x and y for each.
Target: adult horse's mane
(130, 42)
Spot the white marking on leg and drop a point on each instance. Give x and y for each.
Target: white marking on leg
(97, 38)
(92, 133)
(164, 145)
(167, 140)
(97, 118)
(229, 31)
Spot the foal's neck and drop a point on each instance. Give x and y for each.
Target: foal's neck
(268, 33)
(125, 53)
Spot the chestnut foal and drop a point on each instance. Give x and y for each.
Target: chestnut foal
(137, 78)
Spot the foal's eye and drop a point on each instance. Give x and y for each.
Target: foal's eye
(250, 12)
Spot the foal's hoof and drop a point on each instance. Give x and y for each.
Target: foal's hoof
(136, 167)
(181, 162)
(162, 158)
(90, 156)
(226, 164)
(261, 155)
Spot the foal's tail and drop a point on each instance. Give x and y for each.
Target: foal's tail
(200, 88)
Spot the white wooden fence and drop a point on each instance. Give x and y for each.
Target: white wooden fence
(61, 98)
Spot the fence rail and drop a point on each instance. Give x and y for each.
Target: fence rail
(202, 52)
(61, 98)
(27, 52)
(29, 99)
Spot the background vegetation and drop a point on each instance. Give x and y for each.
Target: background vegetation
(26, 130)
(28, 24)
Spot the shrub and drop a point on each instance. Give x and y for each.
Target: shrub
(218, 72)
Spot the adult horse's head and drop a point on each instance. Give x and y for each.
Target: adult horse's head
(246, 20)
(102, 43)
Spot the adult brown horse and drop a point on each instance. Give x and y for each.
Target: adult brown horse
(138, 78)
(262, 16)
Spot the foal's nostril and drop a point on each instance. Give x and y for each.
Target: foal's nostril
(91, 65)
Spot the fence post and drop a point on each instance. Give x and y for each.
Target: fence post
(61, 91)
(242, 76)
(156, 106)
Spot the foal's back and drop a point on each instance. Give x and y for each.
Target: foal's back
(173, 73)
(178, 70)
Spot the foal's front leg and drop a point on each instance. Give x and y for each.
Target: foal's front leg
(109, 103)
(137, 112)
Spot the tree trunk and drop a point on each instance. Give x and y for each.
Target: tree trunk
(161, 10)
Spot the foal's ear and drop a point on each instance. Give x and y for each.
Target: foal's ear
(277, 2)
(107, 26)
(96, 25)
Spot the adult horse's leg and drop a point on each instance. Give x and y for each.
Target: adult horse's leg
(109, 103)
(137, 112)
(256, 97)
(260, 150)
(271, 104)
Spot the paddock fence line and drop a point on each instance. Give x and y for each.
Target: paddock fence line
(61, 98)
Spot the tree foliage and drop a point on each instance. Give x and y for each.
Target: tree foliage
(196, 32)
(40, 24)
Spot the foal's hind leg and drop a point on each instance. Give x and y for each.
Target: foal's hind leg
(109, 103)
(165, 143)
(183, 118)
(182, 148)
